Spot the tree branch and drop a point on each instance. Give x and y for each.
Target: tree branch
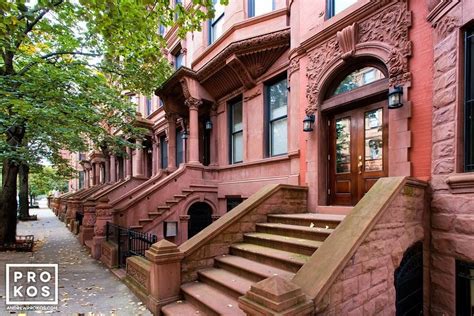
(60, 53)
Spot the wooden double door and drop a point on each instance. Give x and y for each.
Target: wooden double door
(358, 152)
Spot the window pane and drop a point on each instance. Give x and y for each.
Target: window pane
(179, 148)
(464, 288)
(279, 137)
(278, 99)
(237, 117)
(358, 79)
(237, 145)
(219, 10)
(178, 60)
(262, 6)
(217, 29)
(340, 5)
(469, 103)
(164, 152)
(373, 140)
(343, 145)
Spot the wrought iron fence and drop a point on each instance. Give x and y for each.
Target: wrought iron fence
(129, 242)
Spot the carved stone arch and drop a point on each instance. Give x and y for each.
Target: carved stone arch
(198, 198)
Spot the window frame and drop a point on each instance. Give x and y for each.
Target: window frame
(232, 133)
(163, 151)
(331, 8)
(251, 8)
(468, 102)
(268, 121)
(212, 23)
(148, 105)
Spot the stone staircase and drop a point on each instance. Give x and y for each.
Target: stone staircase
(279, 246)
(145, 224)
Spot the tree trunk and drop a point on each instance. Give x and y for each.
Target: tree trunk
(8, 207)
(23, 195)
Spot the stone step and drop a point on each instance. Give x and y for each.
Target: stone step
(286, 260)
(225, 281)
(311, 233)
(138, 228)
(210, 299)
(179, 196)
(334, 209)
(297, 245)
(172, 202)
(163, 208)
(144, 221)
(181, 308)
(154, 214)
(249, 269)
(306, 219)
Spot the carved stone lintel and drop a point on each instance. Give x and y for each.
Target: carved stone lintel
(347, 40)
(193, 103)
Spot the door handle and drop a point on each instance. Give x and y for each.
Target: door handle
(360, 165)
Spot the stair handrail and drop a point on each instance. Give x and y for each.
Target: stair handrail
(229, 218)
(318, 274)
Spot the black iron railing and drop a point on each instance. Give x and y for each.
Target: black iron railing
(79, 217)
(129, 242)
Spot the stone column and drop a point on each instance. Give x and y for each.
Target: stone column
(165, 274)
(138, 159)
(96, 173)
(154, 158)
(128, 163)
(171, 142)
(113, 169)
(214, 133)
(87, 178)
(276, 296)
(103, 215)
(107, 170)
(183, 228)
(193, 105)
(93, 174)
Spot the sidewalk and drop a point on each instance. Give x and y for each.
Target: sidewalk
(85, 285)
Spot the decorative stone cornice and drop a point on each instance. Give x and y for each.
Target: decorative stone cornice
(294, 66)
(440, 10)
(239, 68)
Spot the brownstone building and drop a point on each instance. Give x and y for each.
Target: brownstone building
(306, 157)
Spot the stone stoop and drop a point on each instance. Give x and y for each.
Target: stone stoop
(279, 247)
(164, 209)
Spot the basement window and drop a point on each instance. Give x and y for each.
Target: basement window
(464, 288)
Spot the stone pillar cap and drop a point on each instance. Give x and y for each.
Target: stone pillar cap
(164, 251)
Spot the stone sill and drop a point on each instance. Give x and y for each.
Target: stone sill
(461, 183)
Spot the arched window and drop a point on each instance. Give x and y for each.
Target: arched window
(359, 78)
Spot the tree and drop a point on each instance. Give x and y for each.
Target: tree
(63, 67)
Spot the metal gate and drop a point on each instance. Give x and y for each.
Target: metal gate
(129, 242)
(409, 282)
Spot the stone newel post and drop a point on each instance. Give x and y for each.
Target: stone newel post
(86, 232)
(276, 296)
(103, 215)
(165, 275)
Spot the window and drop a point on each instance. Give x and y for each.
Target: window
(162, 30)
(259, 7)
(277, 114)
(216, 23)
(236, 132)
(179, 148)
(334, 7)
(469, 102)
(163, 152)
(464, 289)
(149, 107)
(359, 78)
(81, 179)
(232, 202)
(178, 58)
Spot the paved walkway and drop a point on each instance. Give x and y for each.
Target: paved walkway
(85, 285)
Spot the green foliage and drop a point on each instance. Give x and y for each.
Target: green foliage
(64, 65)
(45, 180)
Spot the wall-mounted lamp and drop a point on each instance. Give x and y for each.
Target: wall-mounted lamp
(170, 229)
(308, 123)
(185, 135)
(395, 97)
(208, 125)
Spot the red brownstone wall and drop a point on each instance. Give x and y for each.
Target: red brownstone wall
(366, 284)
(452, 212)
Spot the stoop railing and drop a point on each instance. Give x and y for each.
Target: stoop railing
(129, 242)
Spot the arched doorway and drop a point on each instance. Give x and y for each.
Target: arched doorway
(200, 216)
(356, 122)
(408, 279)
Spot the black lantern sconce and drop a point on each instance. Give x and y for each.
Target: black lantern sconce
(308, 123)
(170, 229)
(395, 97)
(208, 125)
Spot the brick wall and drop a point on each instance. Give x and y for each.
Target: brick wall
(366, 284)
